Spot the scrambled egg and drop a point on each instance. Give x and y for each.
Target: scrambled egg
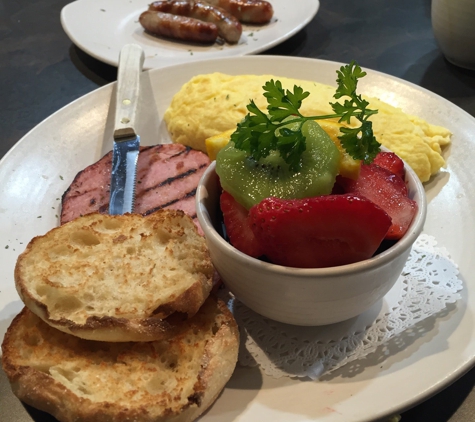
(211, 104)
(413, 139)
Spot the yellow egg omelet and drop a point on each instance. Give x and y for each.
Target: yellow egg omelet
(411, 138)
(211, 104)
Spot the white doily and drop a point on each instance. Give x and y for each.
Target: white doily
(427, 284)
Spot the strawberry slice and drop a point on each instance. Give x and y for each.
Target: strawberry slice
(321, 231)
(386, 190)
(391, 162)
(236, 221)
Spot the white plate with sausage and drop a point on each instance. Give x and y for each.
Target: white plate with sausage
(102, 27)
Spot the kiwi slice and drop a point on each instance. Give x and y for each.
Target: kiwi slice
(250, 181)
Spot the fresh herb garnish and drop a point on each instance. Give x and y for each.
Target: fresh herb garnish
(258, 133)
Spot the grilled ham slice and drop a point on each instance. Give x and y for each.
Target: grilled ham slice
(167, 177)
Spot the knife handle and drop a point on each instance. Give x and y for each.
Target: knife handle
(131, 60)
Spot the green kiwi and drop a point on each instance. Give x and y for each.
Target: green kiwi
(250, 181)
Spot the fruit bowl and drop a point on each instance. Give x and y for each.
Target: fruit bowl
(305, 296)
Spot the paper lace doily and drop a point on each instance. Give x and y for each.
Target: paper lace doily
(427, 284)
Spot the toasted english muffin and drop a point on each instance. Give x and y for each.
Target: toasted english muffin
(117, 278)
(81, 380)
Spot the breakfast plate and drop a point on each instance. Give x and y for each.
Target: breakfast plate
(417, 364)
(102, 27)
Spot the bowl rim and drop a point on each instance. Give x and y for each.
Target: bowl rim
(372, 263)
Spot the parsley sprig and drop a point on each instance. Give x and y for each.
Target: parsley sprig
(259, 133)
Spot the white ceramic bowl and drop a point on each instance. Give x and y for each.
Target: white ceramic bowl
(302, 296)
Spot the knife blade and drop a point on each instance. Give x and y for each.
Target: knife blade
(126, 143)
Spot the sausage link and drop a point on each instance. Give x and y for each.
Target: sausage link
(180, 27)
(247, 11)
(229, 27)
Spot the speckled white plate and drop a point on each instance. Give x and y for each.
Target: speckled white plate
(102, 27)
(35, 173)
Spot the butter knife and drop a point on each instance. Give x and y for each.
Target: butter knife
(126, 145)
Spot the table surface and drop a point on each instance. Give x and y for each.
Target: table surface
(41, 70)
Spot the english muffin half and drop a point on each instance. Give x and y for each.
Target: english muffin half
(117, 278)
(168, 380)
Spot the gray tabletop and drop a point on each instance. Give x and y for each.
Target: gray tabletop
(41, 70)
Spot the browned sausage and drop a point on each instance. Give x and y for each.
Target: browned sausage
(180, 27)
(229, 28)
(247, 11)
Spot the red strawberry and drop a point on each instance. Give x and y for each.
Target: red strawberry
(236, 221)
(386, 190)
(391, 162)
(322, 231)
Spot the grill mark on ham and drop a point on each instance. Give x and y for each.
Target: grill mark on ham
(174, 201)
(170, 180)
(167, 177)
